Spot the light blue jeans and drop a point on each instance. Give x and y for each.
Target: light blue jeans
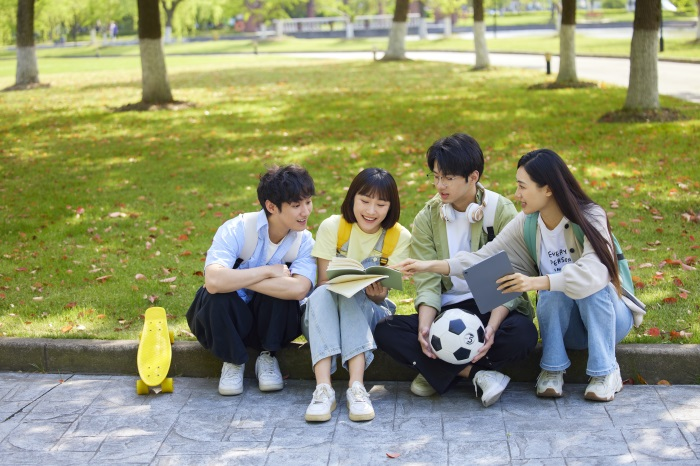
(597, 323)
(334, 324)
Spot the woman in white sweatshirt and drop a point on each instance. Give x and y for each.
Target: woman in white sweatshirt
(580, 305)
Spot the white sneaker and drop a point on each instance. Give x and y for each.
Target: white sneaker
(421, 387)
(267, 370)
(492, 384)
(359, 406)
(603, 388)
(231, 381)
(322, 404)
(550, 384)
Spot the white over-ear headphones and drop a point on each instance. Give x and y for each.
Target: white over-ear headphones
(475, 212)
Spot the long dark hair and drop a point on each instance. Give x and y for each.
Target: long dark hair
(370, 182)
(546, 168)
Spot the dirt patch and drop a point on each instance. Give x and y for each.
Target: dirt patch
(149, 107)
(658, 115)
(556, 85)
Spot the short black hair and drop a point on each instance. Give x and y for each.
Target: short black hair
(370, 182)
(291, 183)
(456, 155)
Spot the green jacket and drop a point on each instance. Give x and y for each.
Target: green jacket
(429, 242)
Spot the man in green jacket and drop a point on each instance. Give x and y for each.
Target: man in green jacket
(462, 216)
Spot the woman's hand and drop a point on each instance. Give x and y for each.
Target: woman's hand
(520, 283)
(376, 292)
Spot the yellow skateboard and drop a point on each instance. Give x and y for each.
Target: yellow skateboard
(155, 353)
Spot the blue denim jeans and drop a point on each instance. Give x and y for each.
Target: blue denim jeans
(597, 323)
(334, 325)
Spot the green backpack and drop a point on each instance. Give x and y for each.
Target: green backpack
(622, 264)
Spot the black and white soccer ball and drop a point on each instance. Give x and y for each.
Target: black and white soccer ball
(456, 336)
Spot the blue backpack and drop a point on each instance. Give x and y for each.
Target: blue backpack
(622, 264)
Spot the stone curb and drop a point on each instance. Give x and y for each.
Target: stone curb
(678, 364)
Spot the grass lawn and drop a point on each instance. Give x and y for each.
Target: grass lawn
(676, 47)
(104, 214)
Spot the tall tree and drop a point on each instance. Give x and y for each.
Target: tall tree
(643, 90)
(169, 8)
(697, 25)
(154, 77)
(567, 44)
(482, 52)
(27, 67)
(396, 50)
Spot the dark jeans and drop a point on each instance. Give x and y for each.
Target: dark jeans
(398, 336)
(225, 324)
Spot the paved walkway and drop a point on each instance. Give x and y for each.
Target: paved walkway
(681, 80)
(100, 419)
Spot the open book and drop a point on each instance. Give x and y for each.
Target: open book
(348, 276)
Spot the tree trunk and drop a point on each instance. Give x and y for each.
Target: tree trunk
(567, 44)
(27, 68)
(169, 13)
(697, 25)
(643, 90)
(482, 52)
(154, 77)
(423, 24)
(396, 50)
(311, 9)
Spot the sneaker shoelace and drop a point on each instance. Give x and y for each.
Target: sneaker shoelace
(548, 377)
(231, 372)
(267, 364)
(359, 394)
(321, 395)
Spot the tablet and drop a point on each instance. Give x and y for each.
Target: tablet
(481, 278)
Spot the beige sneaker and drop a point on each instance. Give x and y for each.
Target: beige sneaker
(550, 384)
(359, 406)
(322, 404)
(603, 388)
(421, 387)
(492, 384)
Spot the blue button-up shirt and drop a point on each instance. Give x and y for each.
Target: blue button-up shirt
(229, 240)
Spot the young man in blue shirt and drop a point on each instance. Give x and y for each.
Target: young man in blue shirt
(258, 268)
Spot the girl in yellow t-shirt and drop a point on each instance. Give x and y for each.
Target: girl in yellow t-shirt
(334, 324)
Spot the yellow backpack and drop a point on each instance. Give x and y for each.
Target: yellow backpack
(391, 238)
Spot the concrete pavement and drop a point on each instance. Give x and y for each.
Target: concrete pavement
(79, 419)
(681, 80)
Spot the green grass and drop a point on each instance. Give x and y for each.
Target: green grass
(88, 193)
(681, 47)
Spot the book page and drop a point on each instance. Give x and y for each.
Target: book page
(349, 285)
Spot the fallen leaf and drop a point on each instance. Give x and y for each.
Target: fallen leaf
(670, 300)
(140, 276)
(653, 332)
(38, 298)
(168, 280)
(117, 214)
(103, 278)
(70, 305)
(393, 455)
(101, 316)
(186, 253)
(628, 382)
(641, 380)
(198, 273)
(663, 382)
(67, 328)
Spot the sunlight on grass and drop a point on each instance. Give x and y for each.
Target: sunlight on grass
(91, 198)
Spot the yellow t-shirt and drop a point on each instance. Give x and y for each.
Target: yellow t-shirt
(360, 244)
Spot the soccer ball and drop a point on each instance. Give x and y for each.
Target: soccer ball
(456, 336)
